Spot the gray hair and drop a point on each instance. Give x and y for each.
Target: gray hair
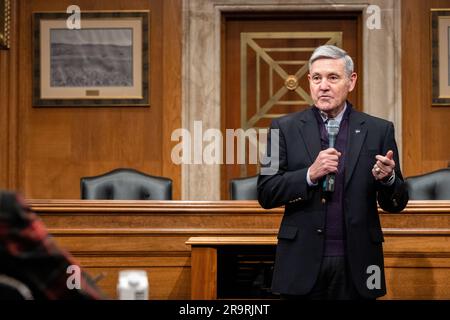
(332, 52)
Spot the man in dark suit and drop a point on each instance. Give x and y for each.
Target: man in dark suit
(330, 243)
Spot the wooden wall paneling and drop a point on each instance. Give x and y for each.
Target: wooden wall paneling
(412, 112)
(8, 102)
(5, 111)
(425, 128)
(204, 273)
(169, 276)
(172, 51)
(423, 278)
(58, 146)
(417, 267)
(165, 283)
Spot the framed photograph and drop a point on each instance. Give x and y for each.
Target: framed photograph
(103, 63)
(5, 19)
(440, 53)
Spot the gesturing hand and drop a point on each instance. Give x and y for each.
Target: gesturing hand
(384, 166)
(326, 162)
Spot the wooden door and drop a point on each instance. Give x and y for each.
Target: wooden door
(264, 70)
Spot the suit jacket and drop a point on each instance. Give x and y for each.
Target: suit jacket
(301, 234)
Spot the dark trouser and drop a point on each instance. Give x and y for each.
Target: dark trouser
(333, 283)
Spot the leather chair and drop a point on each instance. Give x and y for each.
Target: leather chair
(430, 186)
(126, 184)
(13, 289)
(244, 188)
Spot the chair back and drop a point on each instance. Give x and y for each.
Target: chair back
(126, 184)
(430, 186)
(244, 188)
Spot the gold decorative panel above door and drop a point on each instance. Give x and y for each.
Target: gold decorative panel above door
(274, 69)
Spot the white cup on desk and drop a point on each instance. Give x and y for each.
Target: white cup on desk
(132, 285)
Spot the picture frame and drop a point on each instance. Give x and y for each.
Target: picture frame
(5, 22)
(103, 63)
(440, 56)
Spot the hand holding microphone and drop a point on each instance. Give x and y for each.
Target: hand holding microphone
(326, 163)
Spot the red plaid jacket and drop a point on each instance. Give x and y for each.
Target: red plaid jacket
(29, 254)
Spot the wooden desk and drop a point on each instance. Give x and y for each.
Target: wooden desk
(109, 236)
(204, 258)
(417, 263)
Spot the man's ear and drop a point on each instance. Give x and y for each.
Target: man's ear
(353, 78)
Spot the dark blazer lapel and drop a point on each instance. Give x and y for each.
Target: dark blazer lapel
(310, 133)
(357, 132)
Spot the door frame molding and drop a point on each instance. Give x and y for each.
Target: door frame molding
(201, 70)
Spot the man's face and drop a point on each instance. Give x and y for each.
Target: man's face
(329, 85)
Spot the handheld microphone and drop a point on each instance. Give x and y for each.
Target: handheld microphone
(332, 129)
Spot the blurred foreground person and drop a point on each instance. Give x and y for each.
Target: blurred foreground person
(29, 255)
